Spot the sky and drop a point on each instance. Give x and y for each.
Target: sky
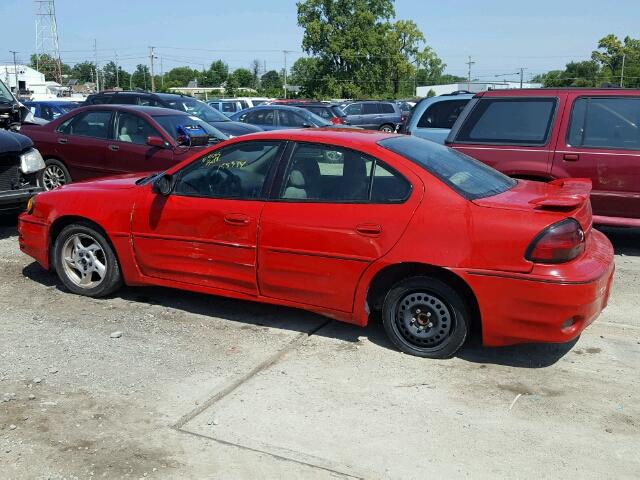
(501, 36)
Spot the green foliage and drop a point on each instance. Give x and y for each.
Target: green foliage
(605, 66)
(84, 72)
(243, 78)
(47, 65)
(112, 79)
(271, 84)
(141, 77)
(217, 74)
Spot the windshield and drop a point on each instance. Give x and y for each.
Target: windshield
(5, 94)
(170, 124)
(470, 178)
(197, 108)
(315, 119)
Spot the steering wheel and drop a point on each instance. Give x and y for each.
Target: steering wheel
(223, 181)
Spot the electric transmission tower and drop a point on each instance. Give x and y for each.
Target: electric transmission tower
(47, 46)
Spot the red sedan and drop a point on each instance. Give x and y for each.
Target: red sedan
(344, 224)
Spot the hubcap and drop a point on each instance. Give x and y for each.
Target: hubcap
(84, 261)
(423, 320)
(386, 129)
(53, 177)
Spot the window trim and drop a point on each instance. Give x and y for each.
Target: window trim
(588, 147)
(286, 162)
(265, 192)
(548, 133)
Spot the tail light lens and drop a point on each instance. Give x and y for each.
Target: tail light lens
(559, 243)
(337, 120)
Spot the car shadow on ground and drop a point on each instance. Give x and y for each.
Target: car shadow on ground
(626, 241)
(8, 226)
(261, 314)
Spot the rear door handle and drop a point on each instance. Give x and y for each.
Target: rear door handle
(63, 140)
(236, 219)
(571, 157)
(369, 229)
(114, 148)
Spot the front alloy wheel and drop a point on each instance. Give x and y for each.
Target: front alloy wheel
(54, 175)
(424, 316)
(86, 262)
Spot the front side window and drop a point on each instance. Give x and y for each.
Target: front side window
(131, 128)
(236, 172)
(148, 102)
(325, 173)
(263, 116)
(470, 178)
(442, 114)
(353, 109)
(511, 121)
(287, 118)
(609, 123)
(229, 107)
(88, 124)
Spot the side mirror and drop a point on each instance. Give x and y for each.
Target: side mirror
(154, 141)
(163, 185)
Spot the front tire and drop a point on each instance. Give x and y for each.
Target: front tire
(425, 317)
(86, 262)
(387, 128)
(54, 175)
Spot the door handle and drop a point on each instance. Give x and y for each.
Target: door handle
(369, 229)
(114, 148)
(236, 219)
(63, 140)
(571, 157)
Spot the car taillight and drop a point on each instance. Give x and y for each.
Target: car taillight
(558, 243)
(337, 120)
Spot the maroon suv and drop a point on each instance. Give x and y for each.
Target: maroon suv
(103, 140)
(543, 134)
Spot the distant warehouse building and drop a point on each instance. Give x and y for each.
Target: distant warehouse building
(473, 87)
(31, 83)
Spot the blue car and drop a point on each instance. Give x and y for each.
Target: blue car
(433, 117)
(280, 117)
(50, 110)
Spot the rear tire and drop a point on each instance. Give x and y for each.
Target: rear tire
(54, 175)
(85, 261)
(387, 128)
(425, 317)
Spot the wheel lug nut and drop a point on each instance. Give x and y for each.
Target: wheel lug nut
(428, 314)
(418, 311)
(430, 324)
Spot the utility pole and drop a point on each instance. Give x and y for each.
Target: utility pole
(95, 56)
(161, 73)
(469, 63)
(153, 80)
(117, 72)
(285, 73)
(521, 76)
(624, 56)
(15, 71)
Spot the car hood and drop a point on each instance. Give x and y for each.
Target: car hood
(13, 142)
(117, 182)
(235, 129)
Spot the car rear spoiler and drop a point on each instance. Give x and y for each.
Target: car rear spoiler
(572, 193)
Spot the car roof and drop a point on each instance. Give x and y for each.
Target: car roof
(542, 92)
(341, 136)
(151, 111)
(275, 106)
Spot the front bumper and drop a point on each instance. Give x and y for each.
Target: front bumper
(15, 200)
(33, 238)
(517, 309)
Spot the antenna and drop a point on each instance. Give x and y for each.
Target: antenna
(47, 46)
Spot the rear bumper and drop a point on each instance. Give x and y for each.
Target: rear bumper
(33, 238)
(523, 310)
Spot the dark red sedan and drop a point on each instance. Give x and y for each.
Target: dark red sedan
(343, 223)
(103, 140)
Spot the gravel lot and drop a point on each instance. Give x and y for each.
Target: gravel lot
(204, 387)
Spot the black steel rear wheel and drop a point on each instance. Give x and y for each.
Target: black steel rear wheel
(425, 317)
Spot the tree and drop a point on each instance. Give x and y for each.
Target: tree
(610, 56)
(304, 73)
(114, 76)
(217, 73)
(255, 72)
(243, 78)
(141, 77)
(84, 72)
(47, 65)
(180, 76)
(271, 84)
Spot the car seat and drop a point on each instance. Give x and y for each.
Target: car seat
(304, 180)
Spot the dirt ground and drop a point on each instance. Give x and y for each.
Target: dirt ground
(205, 387)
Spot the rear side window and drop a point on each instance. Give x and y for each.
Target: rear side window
(370, 108)
(387, 108)
(470, 178)
(124, 99)
(88, 124)
(442, 114)
(605, 123)
(512, 121)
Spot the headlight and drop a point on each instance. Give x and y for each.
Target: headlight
(31, 161)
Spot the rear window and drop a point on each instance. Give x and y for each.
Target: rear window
(387, 108)
(607, 123)
(468, 177)
(442, 114)
(510, 121)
